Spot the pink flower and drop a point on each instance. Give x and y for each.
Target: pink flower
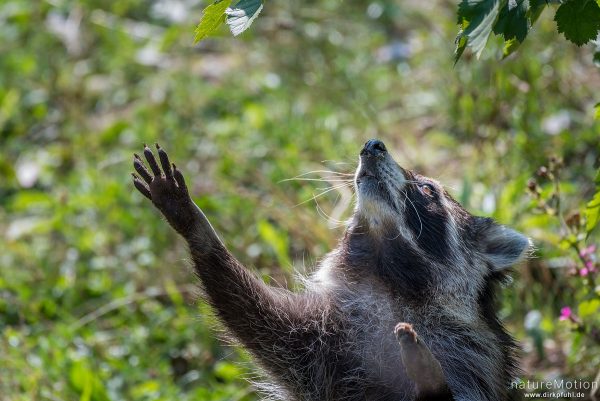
(584, 272)
(589, 250)
(565, 313)
(589, 264)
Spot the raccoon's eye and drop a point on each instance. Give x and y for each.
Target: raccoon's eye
(426, 189)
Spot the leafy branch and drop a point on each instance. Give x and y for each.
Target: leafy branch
(577, 20)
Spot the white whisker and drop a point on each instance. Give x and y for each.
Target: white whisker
(337, 162)
(417, 212)
(338, 223)
(323, 193)
(316, 179)
(324, 172)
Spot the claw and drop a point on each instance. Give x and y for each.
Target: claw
(179, 179)
(151, 161)
(138, 165)
(164, 161)
(140, 186)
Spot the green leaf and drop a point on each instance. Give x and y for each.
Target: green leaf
(597, 111)
(87, 383)
(592, 209)
(242, 15)
(476, 18)
(578, 20)
(461, 45)
(227, 371)
(149, 389)
(212, 17)
(588, 308)
(512, 21)
(510, 46)
(28, 200)
(277, 240)
(535, 10)
(515, 21)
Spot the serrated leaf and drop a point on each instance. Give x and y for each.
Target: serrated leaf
(477, 18)
(242, 15)
(535, 10)
(212, 17)
(512, 21)
(579, 20)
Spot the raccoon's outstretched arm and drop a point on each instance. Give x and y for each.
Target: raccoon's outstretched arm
(421, 366)
(277, 326)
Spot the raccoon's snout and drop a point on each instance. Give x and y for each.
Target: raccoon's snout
(377, 163)
(370, 156)
(373, 147)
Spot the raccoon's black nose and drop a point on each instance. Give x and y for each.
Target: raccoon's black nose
(373, 147)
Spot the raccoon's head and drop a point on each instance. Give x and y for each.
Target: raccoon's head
(416, 230)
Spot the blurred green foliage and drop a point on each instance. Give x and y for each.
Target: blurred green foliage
(96, 300)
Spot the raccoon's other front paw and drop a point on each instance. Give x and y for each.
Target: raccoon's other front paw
(421, 366)
(403, 330)
(166, 189)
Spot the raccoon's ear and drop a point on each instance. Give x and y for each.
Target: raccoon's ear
(501, 246)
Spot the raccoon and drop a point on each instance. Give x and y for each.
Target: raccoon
(403, 309)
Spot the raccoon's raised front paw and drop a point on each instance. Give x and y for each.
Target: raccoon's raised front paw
(166, 189)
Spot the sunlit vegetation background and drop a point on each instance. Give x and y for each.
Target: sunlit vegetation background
(97, 301)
